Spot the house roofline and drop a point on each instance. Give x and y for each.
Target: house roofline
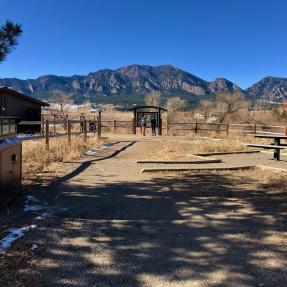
(23, 96)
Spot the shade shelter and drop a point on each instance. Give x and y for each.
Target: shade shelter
(148, 111)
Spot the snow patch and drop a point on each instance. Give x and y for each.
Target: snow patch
(13, 235)
(94, 151)
(31, 198)
(33, 208)
(34, 247)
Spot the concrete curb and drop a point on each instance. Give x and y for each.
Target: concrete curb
(180, 161)
(225, 153)
(196, 169)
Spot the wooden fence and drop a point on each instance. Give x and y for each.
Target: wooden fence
(49, 128)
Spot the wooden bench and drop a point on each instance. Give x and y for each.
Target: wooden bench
(276, 148)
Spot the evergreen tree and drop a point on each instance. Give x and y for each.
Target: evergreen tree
(9, 33)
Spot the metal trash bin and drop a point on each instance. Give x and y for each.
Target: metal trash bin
(10, 161)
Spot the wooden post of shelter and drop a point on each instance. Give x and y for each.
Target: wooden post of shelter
(254, 127)
(135, 123)
(167, 125)
(285, 131)
(47, 134)
(85, 130)
(160, 124)
(99, 127)
(69, 133)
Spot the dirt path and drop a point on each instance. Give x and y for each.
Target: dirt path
(113, 226)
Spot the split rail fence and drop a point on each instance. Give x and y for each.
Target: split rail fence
(55, 128)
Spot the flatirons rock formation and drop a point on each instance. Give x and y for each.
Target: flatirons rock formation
(270, 89)
(130, 80)
(139, 80)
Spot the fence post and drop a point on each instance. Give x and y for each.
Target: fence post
(94, 125)
(115, 125)
(285, 131)
(99, 128)
(227, 128)
(254, 128)
(167, 125)
(196, 127)
(66, 122)
(47, 134)
(85, 130)
(69, 133)
(43, 125)
(54, 125)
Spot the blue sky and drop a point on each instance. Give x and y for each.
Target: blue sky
(241, 40)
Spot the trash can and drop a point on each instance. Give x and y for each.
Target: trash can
(10, 161)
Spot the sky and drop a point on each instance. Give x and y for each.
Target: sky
(241, 40)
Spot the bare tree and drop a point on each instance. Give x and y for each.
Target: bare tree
(153, 98)
(174, 104)
(229, 104)
(206, 108)
(62, 102)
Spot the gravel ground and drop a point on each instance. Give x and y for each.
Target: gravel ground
(113, 226)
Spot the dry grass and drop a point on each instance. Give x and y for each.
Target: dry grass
(36, 159)
(182, 149)
(270, 180)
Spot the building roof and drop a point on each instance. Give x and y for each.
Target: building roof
(146, 107)
(23, 96)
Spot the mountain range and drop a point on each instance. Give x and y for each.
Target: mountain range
(135, 81)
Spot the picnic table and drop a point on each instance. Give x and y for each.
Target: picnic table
(276, 145)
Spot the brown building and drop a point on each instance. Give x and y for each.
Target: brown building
(24, 108)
